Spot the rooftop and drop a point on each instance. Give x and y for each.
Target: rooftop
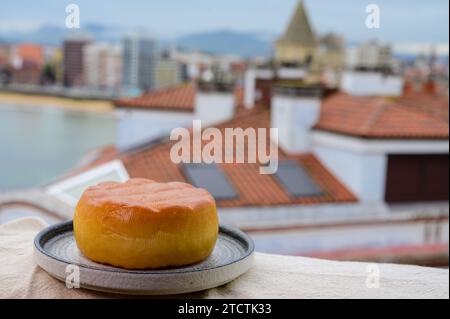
(374, 117)
(253, 188)
(152, 161)
(429, 101)
(178, 98)
(31, 53)
(367, 117)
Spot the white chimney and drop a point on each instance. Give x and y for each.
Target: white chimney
(251, 96)
(249, 88)
(214, 103)
(371, 83)
(294, 112)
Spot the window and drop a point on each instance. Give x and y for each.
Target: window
(211, 178)
(417, 178)
(296, 181)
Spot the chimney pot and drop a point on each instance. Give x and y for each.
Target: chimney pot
(429, 87)
(408, 88)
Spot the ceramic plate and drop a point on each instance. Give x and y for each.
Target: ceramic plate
(55, 249)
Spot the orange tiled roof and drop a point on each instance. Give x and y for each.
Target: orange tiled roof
(31, 52)
(178, 98)
(372, 117)
(253, 188)
(434, 104)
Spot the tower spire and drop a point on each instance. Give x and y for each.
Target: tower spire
(299, 30)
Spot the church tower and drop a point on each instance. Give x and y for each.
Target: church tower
(298, 45)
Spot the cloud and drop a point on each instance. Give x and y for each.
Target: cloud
(18, 25)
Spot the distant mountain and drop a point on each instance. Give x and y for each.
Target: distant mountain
(245, 44)
(42, 35)
(228, 42)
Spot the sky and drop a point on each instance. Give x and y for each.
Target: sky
(402, 21)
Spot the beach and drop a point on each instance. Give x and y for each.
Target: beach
(54, 101)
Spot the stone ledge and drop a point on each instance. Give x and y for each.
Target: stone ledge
(272, 276)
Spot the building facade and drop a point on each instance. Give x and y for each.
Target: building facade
(103, 66)
(140, 58)
(73, 63)
(31, 53)
(369, 56)
(168, 73)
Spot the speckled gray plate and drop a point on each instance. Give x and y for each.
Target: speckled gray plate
(55, 249)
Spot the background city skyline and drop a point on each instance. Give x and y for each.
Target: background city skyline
(422, 22)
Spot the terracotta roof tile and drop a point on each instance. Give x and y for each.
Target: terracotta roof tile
(372, 117)
(178, 98)
(362, 116)
(435, 105)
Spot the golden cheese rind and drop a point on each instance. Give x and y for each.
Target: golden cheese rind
(142, 224)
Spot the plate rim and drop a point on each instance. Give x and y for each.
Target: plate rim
(46, 234)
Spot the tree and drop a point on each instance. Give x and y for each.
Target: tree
(48, 74)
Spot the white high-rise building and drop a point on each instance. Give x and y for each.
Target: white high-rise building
(103, 66)
(140, 56)
(369, 55)
(371, 71)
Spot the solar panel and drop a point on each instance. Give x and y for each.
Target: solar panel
(295, 180)
(211, 178)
